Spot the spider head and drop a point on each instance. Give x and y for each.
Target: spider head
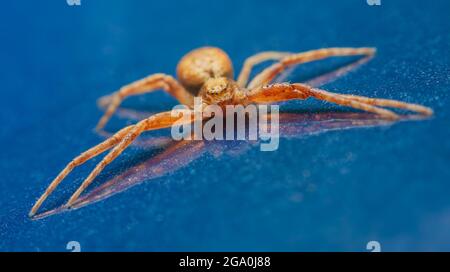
(201, 64)
(220, 90)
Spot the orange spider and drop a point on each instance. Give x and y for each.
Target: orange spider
(208, 72)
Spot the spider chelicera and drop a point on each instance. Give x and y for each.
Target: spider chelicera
(208, 72)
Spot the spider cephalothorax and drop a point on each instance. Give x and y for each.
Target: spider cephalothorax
(220, 91)
(208, 72)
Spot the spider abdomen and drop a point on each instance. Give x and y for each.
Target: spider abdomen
(201, 64)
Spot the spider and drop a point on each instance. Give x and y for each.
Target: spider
(207, 72)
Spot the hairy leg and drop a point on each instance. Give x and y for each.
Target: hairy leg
(268, 74)
(82, 158)
(282, 92)
(120, 140)
(146, 85)
(254, 60)
(341, 100)
(391, 103)
(157, 121)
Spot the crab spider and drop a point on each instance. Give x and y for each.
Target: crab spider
(208, 72)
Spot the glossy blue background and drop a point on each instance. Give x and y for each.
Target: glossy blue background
(332, 191)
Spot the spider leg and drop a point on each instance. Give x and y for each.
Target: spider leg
(147, 142)
(391, 103)
(157, 121)
(268, 74)
(82, 158)
(283, 92)
(256, 59)
(145, 85)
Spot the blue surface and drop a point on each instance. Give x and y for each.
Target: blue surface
(331, 191)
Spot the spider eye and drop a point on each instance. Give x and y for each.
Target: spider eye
(217, 90)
